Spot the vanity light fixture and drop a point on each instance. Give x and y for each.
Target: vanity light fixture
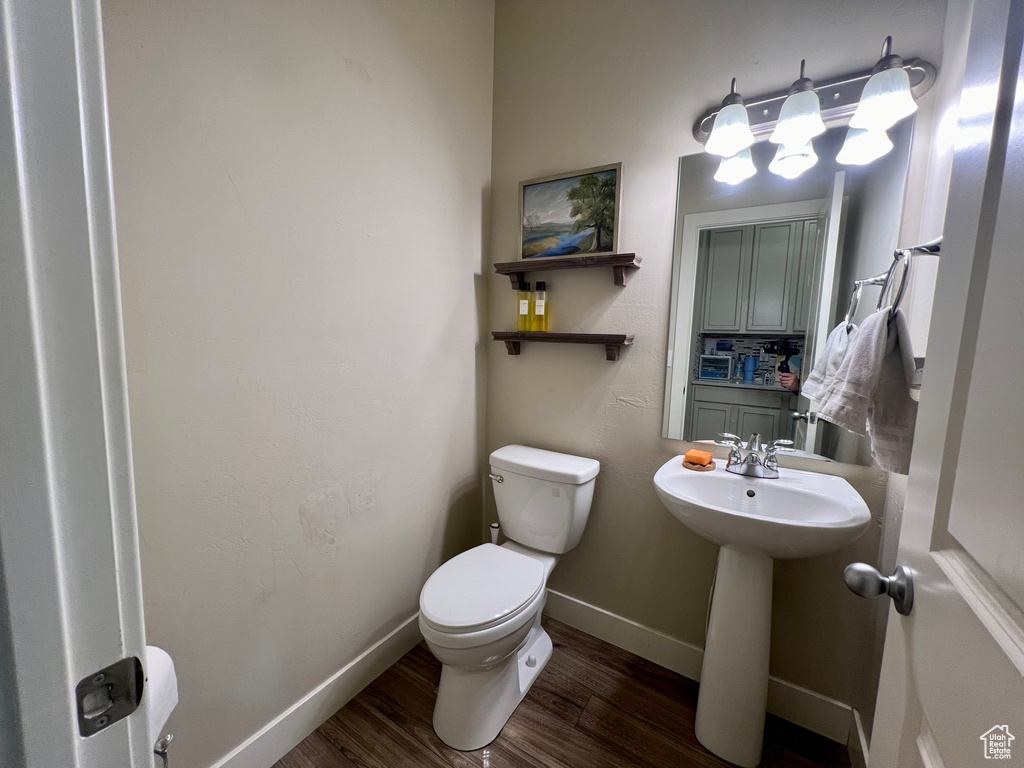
(793, 159)
(870, 101)
(886, 98)
(731, 131)
(739, 167)
(863, 146)
(800, 117)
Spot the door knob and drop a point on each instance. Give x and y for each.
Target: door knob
(811, 417)
(866, 581)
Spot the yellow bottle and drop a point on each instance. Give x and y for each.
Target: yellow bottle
(539, 304)
(524, 308)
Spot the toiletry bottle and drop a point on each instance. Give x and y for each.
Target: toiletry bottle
(523, 308)
(539, 316)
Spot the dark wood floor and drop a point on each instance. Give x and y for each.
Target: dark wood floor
(594, 706)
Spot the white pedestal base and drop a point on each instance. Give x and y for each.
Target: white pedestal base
(734, 676)
(473, 705)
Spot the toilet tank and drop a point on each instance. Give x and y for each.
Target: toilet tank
(543, 497)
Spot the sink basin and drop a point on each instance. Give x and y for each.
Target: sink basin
(801, 514)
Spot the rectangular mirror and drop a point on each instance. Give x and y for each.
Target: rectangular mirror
(762, 272)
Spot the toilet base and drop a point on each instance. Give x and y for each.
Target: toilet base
(474, 705)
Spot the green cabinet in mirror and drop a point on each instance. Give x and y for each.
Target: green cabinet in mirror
(725, 283)
(772, 268)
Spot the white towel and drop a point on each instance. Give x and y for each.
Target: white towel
(827, 366)
(869, 394)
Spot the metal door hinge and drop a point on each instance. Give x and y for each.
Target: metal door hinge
(109, 695)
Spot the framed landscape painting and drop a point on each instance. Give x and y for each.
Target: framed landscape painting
(571, 214)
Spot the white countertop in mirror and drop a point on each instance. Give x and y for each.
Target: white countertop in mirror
(742, 385)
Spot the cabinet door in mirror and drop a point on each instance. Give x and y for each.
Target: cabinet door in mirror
(725, 287)
(773, 265)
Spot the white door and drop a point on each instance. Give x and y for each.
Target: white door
(952, 684)
(70, 590)
(822, 307)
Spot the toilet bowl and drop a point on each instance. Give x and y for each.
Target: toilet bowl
(480, 612)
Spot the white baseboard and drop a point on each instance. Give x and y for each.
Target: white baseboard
(645, 642)
(808, 709)
(277, 738)
(858, 743)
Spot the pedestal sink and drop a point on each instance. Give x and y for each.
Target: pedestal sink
(801, 514)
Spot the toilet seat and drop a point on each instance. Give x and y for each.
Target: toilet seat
(482, 588)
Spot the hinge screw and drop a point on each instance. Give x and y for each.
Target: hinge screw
(102, 722)
(99, 678)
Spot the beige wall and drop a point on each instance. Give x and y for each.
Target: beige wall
(579, 84)
(302, 194)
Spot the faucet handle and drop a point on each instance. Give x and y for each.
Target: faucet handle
(777, 447)
(734, 444)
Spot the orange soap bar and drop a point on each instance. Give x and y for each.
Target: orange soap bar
(698, 457)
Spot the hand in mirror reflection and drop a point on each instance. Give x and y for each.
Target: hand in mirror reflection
(790, 381)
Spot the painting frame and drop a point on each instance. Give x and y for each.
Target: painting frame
(525, 237)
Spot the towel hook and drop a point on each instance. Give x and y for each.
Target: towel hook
(854, 304)
(858, 289)
(885, 280)
(901, 255)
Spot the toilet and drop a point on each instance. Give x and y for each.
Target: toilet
(480, 612)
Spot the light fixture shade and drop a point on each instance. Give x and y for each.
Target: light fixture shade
(862, 147)
(799, 120)
(792, 160)
(885, 101)
(731, 131)
(737, 168)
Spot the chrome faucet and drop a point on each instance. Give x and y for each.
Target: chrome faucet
(759, 461)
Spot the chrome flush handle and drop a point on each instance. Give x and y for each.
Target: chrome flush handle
(496, 478)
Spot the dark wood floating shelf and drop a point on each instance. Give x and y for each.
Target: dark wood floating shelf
(623, 266)
(612, 342)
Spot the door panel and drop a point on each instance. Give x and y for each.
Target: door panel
(741, 396)
(771, 272)
(762, 421)
(805, 277)
(725, 281)
(985, 515)
(70, 584)
(807, 436)
(710, 420)
(957, 662)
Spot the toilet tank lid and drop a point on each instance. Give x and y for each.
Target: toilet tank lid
(545, 465)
